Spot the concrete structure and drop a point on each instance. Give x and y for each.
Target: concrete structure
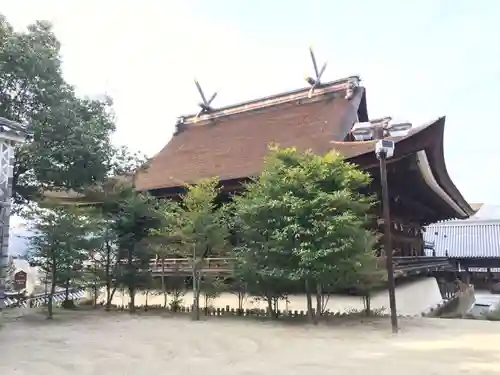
(11, 133)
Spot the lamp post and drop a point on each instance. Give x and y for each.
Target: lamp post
(384, 149)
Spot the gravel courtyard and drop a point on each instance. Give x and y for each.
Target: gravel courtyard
(116, 343)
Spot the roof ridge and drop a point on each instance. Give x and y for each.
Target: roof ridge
(465, 222)
(349, 84)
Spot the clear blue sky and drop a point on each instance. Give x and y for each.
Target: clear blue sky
(418, 60)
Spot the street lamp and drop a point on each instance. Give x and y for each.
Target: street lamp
(384, 149)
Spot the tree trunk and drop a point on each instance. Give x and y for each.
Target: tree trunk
(240, 303)
(50, 303)
(146, 304)
(131, 304)
(66, 291)
(107, 273)
(276, 307)
(319, 300)
(95, 295)
(367, 303)
(163, 286)
(108, 294)
(196, 288)
(205, 303)
(270, 306)
(310, 310)
(196, 298)
(131, 279)
(108, 277)
(67, 303)
(109, 297)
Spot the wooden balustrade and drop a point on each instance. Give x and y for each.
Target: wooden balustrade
(184, 266)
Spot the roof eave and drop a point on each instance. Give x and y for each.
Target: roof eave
(435, 154)
(427, 143)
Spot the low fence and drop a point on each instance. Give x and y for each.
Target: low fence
(228, 311)
(41, 299)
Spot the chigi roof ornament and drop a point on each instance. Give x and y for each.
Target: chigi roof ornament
(205, 105)
(315, 82)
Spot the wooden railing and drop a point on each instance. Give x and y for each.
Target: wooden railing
(185, 265)
(40, 299)
(402, 265)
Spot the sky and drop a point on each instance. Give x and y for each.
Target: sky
(418, 60)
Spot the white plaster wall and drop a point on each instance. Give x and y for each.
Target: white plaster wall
(412, 299)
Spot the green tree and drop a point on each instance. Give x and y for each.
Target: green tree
(165, 241)
(132, 221)
(300, 219)
(212, 287)
(101, 266)
(104, 265)
(253, 275)
(200, 228)
(239, 288)
(60, 244)
(362, 280)
(70, 146)
(112, 193)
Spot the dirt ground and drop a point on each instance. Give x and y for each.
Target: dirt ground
(80, 343)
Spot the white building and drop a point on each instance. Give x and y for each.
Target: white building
(474, 243)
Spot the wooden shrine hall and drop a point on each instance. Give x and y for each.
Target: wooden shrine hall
(231, 143)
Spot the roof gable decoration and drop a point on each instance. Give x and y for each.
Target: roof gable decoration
(317, 88)
(214, 147)
(205, 108)
(346, 86)
(205, 105)
(315, 82)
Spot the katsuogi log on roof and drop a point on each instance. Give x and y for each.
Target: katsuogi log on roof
(231, 142)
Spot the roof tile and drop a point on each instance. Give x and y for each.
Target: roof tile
(465, 239)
